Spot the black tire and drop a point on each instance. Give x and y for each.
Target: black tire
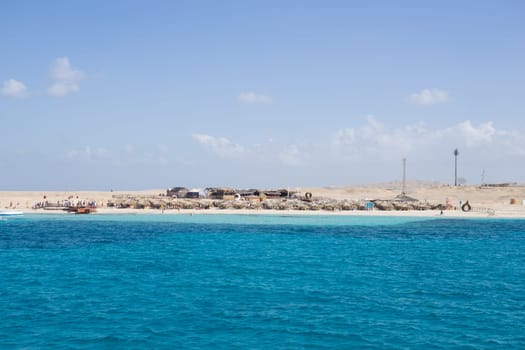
(466, 207)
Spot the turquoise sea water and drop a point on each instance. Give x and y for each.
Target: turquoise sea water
(259, 282)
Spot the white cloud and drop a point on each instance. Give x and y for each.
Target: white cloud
(221, 146)
(374, 139)
(88, 153)
(429, 97)
(62, 70)
(14, 88)
(62, 88)
(252, 97)
(126, 155)
(372, 151)
(475, 136)
(291, 156)
(66, 78)
(269, 152)
(375, 150)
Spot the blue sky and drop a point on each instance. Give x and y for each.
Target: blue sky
(152, 94)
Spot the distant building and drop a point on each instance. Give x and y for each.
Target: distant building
(276, 193)
(221, 193)
(192, 194)
(177, 192)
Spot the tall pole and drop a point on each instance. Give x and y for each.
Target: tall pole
(404, 176)
(456, 153)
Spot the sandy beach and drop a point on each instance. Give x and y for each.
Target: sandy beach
(502, 201)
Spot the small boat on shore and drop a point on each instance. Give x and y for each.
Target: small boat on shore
(81, 210)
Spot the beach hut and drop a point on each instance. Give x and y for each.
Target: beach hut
(221, 193)
(177, 192)
(404, 198)
(197, 193)
(248, 193)
(276, 193)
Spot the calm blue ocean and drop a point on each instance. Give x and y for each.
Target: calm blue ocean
(261, 282)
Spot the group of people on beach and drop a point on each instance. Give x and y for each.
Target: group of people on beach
(67, 203)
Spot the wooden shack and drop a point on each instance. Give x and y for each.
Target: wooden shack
(192, 195)
(221, 193)
(248, 193)
(276, 193)
(177, 192)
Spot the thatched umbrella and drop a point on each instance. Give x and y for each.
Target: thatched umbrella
(404, 198)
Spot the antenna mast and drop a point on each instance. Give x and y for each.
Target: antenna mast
(404, 176)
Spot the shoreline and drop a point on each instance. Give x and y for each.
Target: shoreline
(452, 214)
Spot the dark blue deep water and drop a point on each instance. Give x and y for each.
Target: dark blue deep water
(261, 282)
